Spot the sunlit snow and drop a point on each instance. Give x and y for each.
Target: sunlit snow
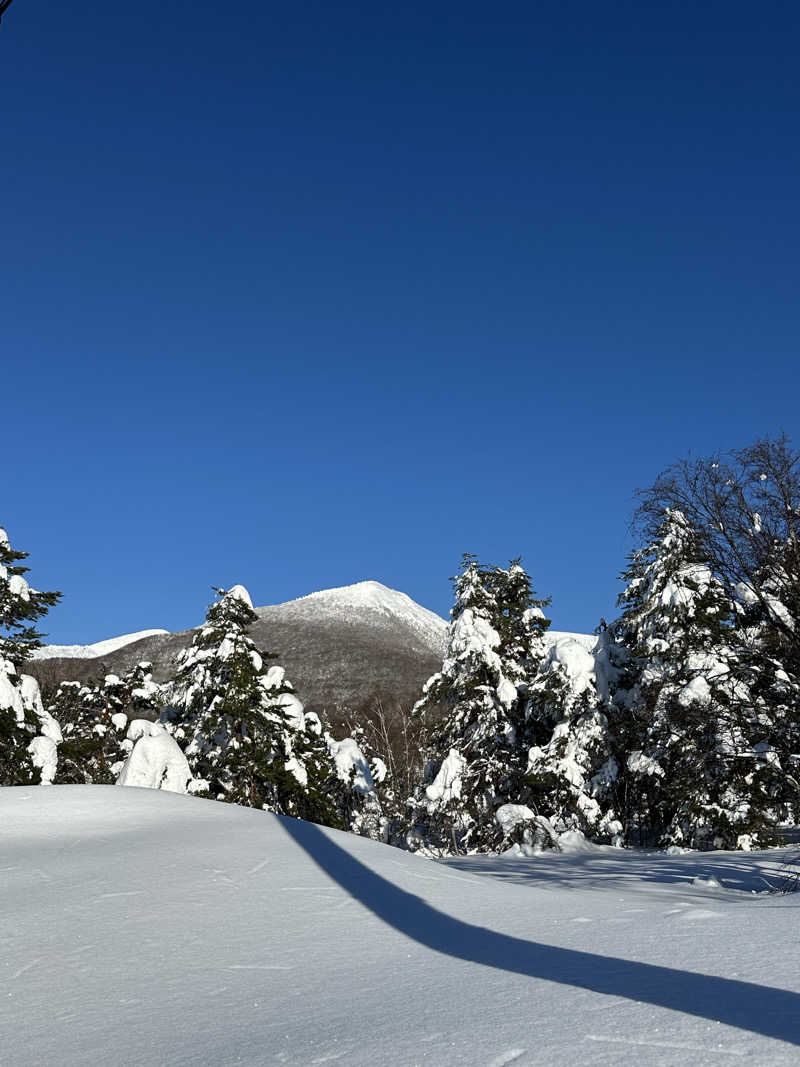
(146, 928)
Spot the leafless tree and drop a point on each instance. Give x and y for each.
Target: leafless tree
(745, 506)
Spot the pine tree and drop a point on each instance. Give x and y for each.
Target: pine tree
(28, 734)
(476, 707)
(688, 717)
(241, 725)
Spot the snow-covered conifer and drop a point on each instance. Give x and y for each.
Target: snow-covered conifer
(687, 715)
(572, 769)
(241, 725)
(94, 720)
(475, 706)
(360, 773)
(29, 735)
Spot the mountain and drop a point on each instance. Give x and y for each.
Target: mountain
(344, 649)
(99, 648)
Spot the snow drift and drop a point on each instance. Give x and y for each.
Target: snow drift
(143, 927)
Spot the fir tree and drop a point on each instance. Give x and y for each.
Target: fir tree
(689, 722)
(28, 734)
(476, 706)
(241, 725)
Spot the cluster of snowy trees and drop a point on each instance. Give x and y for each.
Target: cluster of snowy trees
(678, 725)
(227, 726)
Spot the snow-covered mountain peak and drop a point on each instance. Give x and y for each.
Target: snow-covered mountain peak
(367, 601)
(369, 594)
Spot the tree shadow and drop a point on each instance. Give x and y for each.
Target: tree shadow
(613, 867)
(764, 1010)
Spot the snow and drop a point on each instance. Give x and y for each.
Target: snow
(510, 816)
(369, 602)
(291, 704)
(576, 659)
(99, 648)
(639, 763)
(155, 761)
(44, 753)
(17, 586)
(145, 928)
(746, 595)
(587, 641)
(448, 782)
(238, 592)
(9, 694)
(352, 765)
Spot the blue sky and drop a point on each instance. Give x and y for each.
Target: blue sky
(300, 294)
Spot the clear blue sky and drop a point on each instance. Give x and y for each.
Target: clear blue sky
(300, 294)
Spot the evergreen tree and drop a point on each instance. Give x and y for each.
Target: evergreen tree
(689, 723)
(476, 708)
(243, 730)
(360, 772)
(769, 665)
(94, 721)
(572, 769)
(28, 734)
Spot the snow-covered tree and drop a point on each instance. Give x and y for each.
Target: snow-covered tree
(94, 721)
(476, 706)
(769, 666)
(693, 771)
(241, 725)
(29, 736)
(360, 773)
(744, 507)
(572, 769)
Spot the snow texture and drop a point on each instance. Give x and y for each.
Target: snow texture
(99, 648)
(144, 928)
(448, 783)
(352, 765)
(367, 602)
(155, 761)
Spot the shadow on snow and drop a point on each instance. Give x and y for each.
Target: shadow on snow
(760, 1009)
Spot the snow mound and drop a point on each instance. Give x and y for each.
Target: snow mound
(155, 761)
(99, 648)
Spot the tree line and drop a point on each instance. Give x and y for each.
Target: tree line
(675, 725)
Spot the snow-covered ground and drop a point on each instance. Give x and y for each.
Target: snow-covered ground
(141, 927)
(99, 648)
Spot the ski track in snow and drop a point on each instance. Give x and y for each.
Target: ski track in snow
(148, 928)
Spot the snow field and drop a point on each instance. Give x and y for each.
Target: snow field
(143, 927)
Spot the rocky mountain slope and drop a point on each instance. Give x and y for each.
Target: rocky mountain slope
(344, 649)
